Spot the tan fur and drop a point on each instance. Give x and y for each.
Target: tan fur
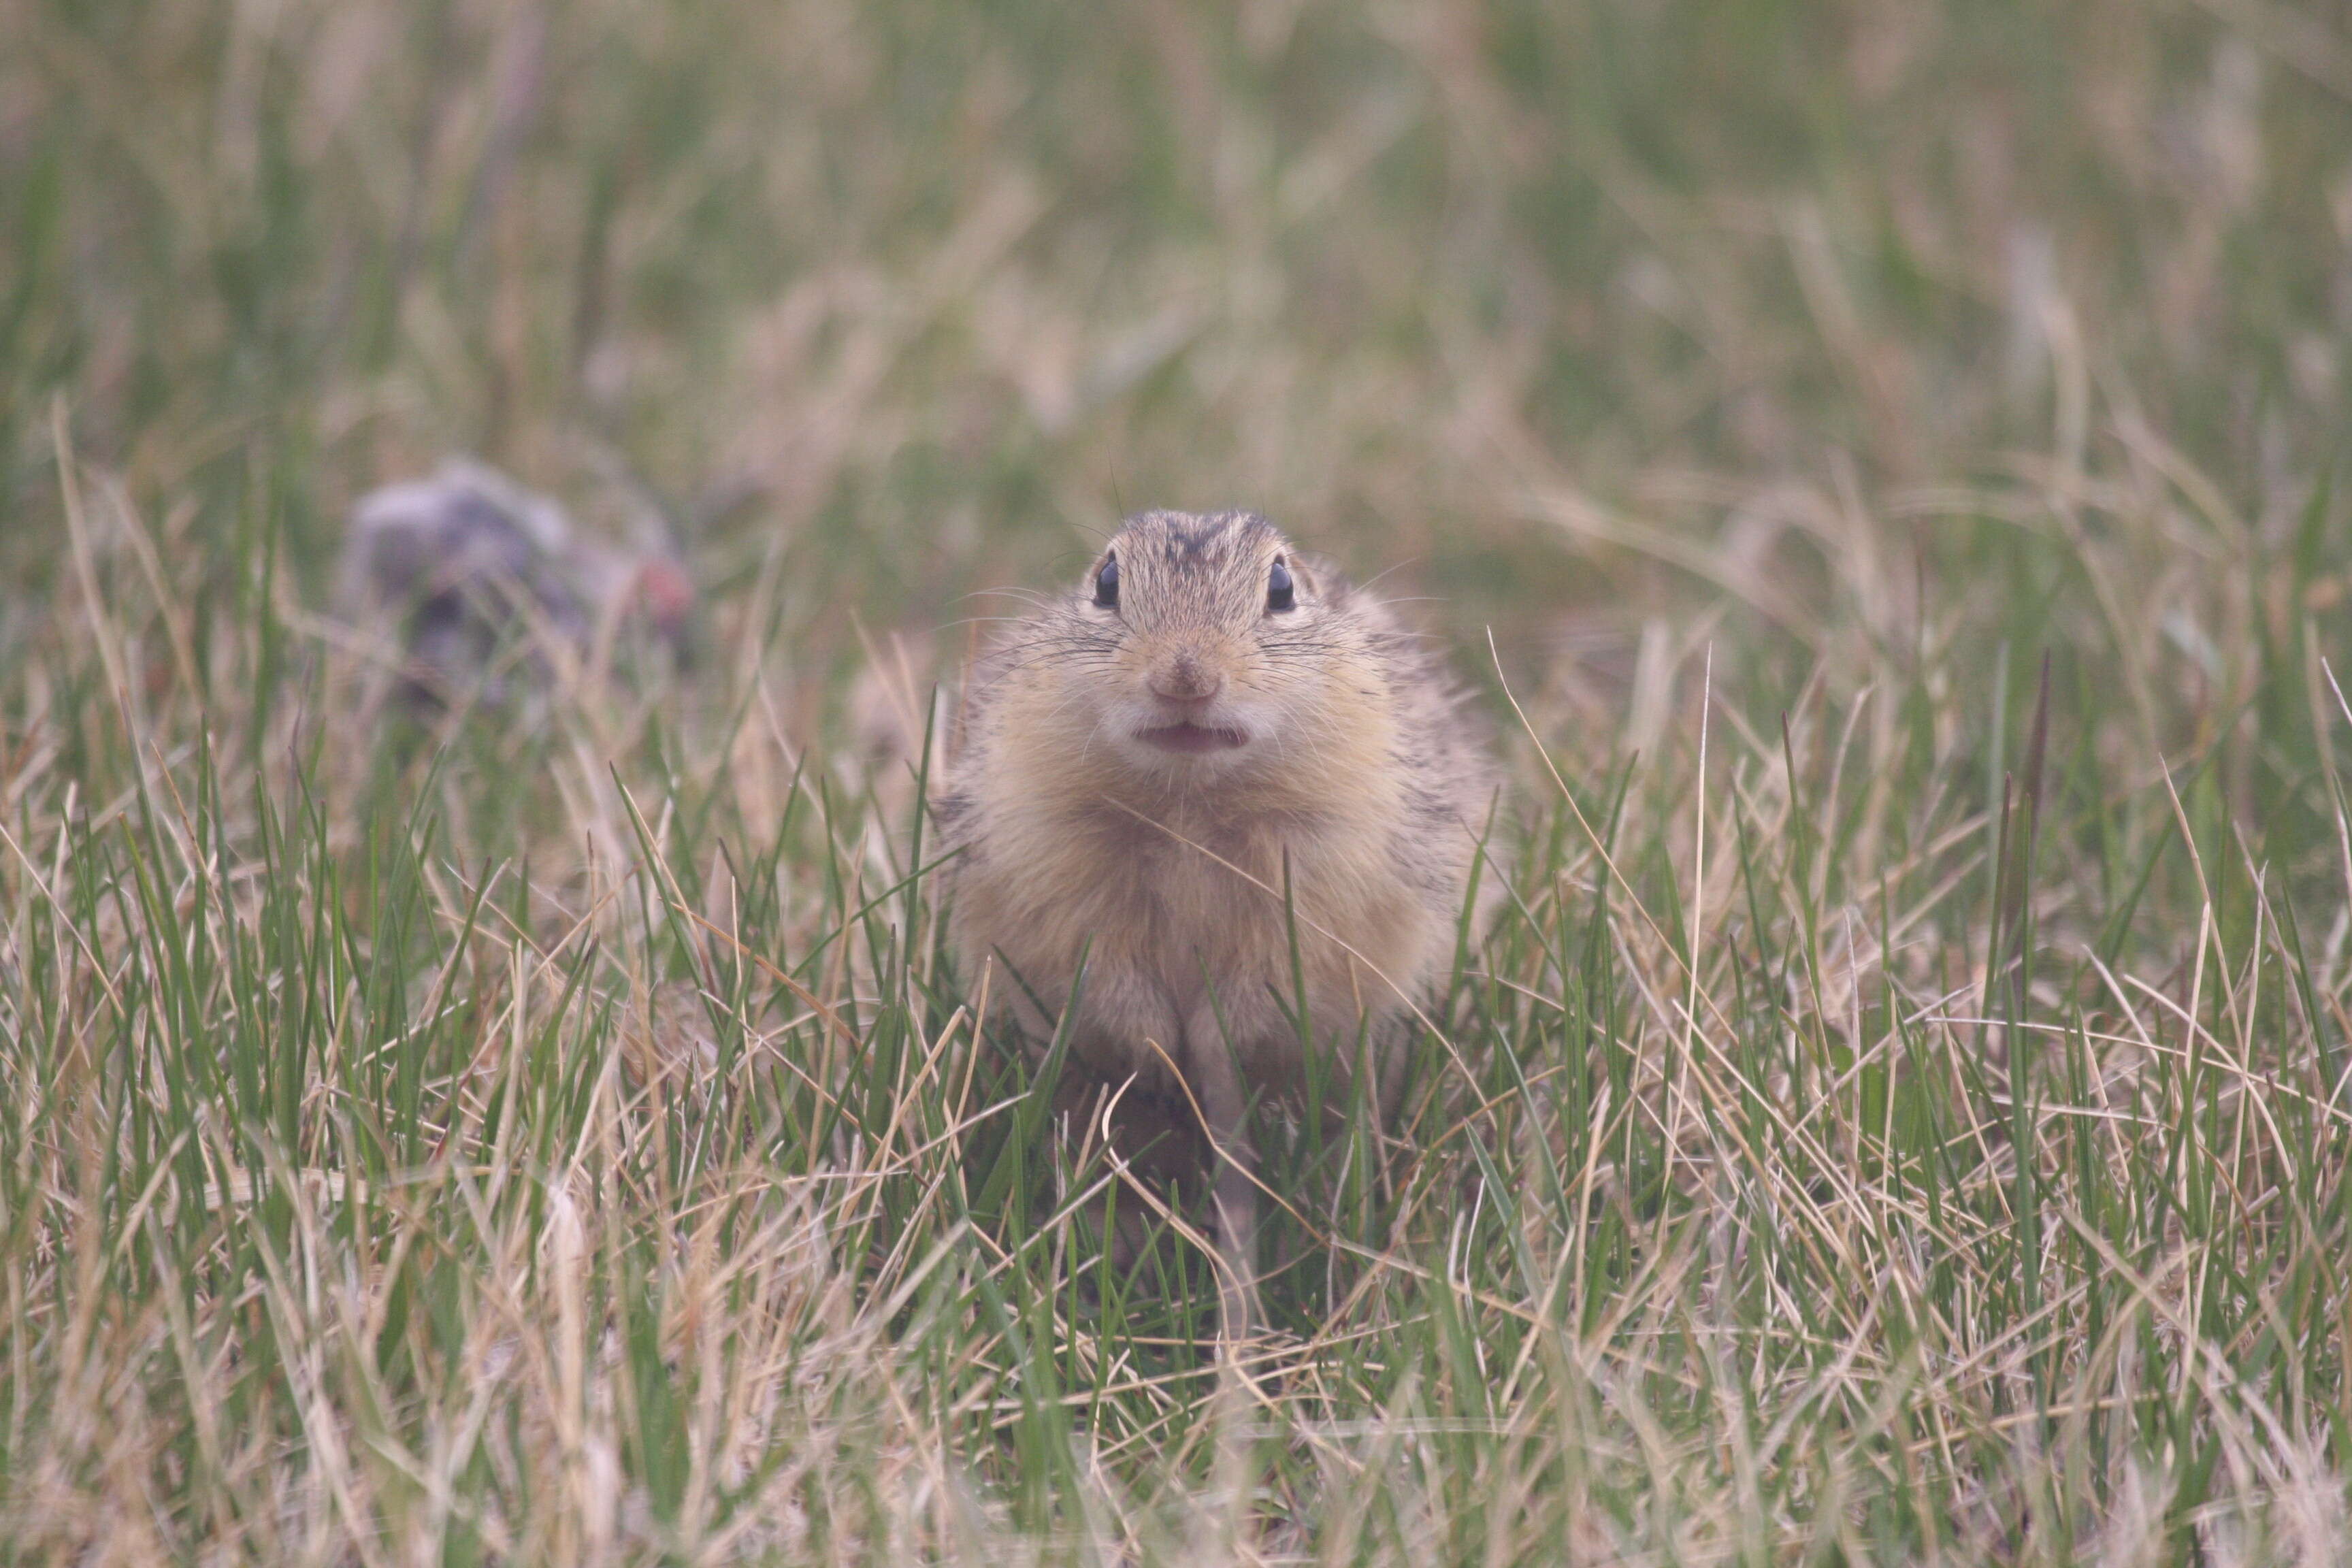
(1359, 778)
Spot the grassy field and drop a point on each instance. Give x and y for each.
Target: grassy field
(1877, 462)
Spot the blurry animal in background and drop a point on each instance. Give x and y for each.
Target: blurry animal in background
(477, 580)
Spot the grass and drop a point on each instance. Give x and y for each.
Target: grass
(1899, 1115)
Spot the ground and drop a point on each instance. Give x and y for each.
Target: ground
(1876, 464)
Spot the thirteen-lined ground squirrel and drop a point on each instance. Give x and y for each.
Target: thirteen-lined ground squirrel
(1142, 764)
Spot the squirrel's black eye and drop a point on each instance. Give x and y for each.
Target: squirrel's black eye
(1277, 588)
(1106, 583)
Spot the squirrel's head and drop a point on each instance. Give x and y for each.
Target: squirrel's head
(1212, 642)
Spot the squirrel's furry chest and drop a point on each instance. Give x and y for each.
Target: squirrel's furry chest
(1192, 905)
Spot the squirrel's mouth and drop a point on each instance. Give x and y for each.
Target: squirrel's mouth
(1191, 740)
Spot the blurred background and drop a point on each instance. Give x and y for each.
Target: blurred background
(1619, 328)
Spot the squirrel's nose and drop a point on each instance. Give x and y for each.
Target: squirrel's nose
(1185, 679)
